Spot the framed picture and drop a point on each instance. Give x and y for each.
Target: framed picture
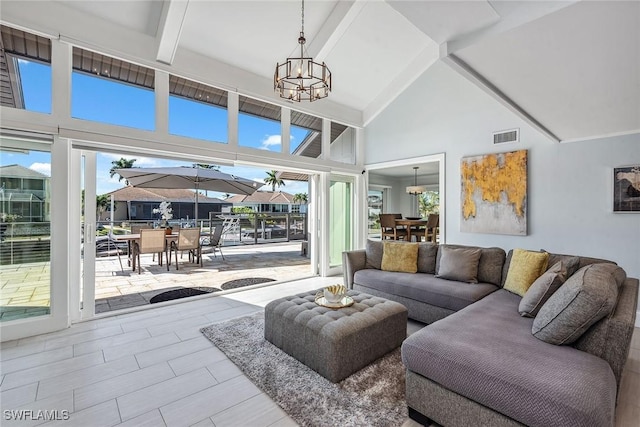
(626, 189)
(494, 193)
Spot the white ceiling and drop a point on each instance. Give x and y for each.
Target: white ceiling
(571, 68)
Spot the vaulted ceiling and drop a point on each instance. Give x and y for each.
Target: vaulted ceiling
(571, 69)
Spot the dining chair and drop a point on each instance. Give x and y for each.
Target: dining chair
(216, 239)
(152, 241)
(188, 240)
(432, 228)
(389, 228)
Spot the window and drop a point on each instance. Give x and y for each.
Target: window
(25, 71)
(197, 110)
(306, 135)
(259, 125)
(107, 90)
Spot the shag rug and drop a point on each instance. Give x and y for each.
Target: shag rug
(373, 396)
(238, 283)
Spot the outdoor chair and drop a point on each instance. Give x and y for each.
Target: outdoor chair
(216, 240)
(432, 228)
(389, 228)
(151, 241)
(188, 240)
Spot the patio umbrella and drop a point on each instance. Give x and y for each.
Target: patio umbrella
(189, 178)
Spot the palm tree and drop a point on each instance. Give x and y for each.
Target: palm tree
(273, 180)
(121, 163)
(300, 198)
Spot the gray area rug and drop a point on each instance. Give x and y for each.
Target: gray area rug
(373, 396)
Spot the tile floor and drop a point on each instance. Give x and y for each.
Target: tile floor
(154, 368)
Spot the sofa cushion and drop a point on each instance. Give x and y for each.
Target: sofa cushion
(554, 258)
(525, 268)
(424, 288)
(569, 262)
(486, 353)
(373, 254)
(586, 297)
(427, 253)
(460, 264)
(490, 265)
(542, 289)
(400, 256)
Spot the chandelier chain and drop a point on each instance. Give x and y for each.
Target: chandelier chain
(302, 17)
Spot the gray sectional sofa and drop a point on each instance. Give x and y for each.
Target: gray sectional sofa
(478, 363)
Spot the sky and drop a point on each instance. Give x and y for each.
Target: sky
(110, 102)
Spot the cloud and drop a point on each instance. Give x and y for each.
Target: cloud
(270, 141)
(44, 168)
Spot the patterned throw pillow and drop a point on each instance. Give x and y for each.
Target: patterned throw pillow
(525, 268)
(459, 264)
(401, 257)
(542, 289)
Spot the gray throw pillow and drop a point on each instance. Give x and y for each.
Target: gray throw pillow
(427, 253)
(570, 262)
(373, 254)
(542, 289)
(459, 264)
(586, 297)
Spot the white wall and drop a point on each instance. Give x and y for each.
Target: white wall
(570, 185)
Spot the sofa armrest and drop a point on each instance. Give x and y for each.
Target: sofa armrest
(352, 261)
(610, 338)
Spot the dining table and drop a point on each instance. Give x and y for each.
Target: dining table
(414, 226)
(129, 238)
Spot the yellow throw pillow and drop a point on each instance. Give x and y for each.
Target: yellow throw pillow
(525, 268)
(400, 257)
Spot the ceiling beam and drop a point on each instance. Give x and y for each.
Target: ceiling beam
(338, 21)
(170, 28)
(466, 71)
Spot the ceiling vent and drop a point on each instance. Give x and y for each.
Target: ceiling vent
(511, 135)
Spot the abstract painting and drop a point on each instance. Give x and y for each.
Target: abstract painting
(626, 189)
(494, 193)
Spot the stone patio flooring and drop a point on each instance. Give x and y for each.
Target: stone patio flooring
(25, 287)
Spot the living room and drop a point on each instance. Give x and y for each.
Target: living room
(565, 77)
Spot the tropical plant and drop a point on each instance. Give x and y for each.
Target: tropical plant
(102, 203)
(429, 203)
(273, 180)
(206, 166)
(121, 163)
(300, 198)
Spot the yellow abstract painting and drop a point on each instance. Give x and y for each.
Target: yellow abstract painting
(494, 193)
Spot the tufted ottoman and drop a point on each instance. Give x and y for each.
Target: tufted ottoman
(335, 342)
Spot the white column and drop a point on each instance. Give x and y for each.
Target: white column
(326, 139)
(285, 124)
(162, 102)
(233, 102)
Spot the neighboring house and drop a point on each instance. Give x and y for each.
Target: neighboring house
(133, 203)
(269, 201)
(24, 193)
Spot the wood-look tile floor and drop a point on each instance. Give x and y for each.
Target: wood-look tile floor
(154, 368)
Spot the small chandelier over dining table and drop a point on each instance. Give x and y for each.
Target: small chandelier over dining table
(300, 78)
(416, 189)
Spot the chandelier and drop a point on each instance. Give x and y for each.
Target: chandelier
(416, 189)
(300, 78)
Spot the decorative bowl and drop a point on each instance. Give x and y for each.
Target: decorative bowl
(413, 217)
(334, 293)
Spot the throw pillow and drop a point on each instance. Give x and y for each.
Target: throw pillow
(542, 289)
(401, 257)
(427, 253)
(570, 262)
(373, 254)
(586, 297)
(525, 268)
(459, 264)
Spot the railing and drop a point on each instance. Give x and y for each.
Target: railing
(257, 227)
(24, 242)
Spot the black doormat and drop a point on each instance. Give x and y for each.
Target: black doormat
(238, 283)
(181, 293)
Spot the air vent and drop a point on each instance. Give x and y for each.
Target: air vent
(512, 135)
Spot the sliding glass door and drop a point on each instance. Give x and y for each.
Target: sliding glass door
(340, 219)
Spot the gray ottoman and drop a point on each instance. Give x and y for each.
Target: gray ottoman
(335, 342)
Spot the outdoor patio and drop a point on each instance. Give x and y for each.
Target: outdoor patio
(25, 287)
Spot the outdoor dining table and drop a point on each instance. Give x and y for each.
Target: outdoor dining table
(129, 238)
(415, 225)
